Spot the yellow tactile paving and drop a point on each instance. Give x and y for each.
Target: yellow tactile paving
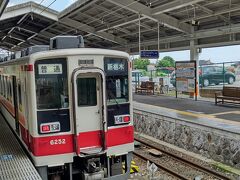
(228, 112)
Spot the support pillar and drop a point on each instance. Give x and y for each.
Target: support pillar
(194, 56)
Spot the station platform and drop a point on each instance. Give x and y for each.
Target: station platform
(206, 113)
(14, 163)
(226, 111)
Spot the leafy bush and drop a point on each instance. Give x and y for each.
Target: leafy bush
(166, 61)
(141, 63)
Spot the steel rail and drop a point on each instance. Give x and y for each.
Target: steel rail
(204, 169)
(152, 160)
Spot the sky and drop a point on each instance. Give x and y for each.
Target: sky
(219, 54)
(58, 5)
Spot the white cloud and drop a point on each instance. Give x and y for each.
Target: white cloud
(59, 5)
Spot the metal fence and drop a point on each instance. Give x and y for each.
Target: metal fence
(212, 77)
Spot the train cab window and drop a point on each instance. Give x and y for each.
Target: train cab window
(51, 84)
(51, 93)
(117, 89)
(86, 91)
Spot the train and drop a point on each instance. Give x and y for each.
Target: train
(71, 108)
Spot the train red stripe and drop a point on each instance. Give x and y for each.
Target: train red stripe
(43, 146)
(51, 145)
(120, 136)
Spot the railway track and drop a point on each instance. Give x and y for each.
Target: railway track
(175, 165)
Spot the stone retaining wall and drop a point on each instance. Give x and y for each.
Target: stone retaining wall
(212, 143)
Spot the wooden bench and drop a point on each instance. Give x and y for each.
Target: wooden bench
(231, 94)
(147, 87)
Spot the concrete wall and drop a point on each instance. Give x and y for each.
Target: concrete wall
(219, 145)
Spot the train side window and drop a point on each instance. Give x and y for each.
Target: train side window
(20, 97)
(0, 84)
(3, 82)
(86, 91)
(10, 90)
(5, 87)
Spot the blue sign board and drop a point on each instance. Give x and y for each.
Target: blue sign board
(149, 54)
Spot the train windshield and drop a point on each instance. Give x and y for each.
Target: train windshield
(51, 84)
(117, 89)
(117, 80)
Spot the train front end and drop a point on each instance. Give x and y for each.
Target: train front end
(83, 103)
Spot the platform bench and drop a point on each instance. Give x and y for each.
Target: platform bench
(147, 87)
(231, 94)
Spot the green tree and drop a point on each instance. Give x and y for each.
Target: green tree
(166, 61)
(141, 63)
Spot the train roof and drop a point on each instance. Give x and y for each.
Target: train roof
(68, 52)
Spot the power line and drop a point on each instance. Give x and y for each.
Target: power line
(39, 4)
(47, 6)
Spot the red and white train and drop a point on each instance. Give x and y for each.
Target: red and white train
(71, 108)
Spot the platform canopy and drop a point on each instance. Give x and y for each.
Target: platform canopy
(3, 4)
(114, 24)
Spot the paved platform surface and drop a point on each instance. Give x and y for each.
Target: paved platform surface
(14, 163)
(227, 112)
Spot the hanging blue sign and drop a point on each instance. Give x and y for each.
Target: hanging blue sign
(149, 54)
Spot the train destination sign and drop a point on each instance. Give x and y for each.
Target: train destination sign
(117, 66)
(50, 69)
(149, 54)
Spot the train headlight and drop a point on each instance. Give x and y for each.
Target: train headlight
(122, 119)
(45, 128)
(126, 119)
(50, 127)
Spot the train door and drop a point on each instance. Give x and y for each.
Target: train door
(15, 102)
(89, 111)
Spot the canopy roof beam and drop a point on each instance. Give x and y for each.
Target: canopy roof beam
(173, 6)
(165, 19)
(84, 27)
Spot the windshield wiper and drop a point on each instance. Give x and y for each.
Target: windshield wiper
(113, 97)
(111, 93)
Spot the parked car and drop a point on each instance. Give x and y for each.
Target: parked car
(211, 75)
(215, 75)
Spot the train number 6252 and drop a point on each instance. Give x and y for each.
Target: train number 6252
(58, 141)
